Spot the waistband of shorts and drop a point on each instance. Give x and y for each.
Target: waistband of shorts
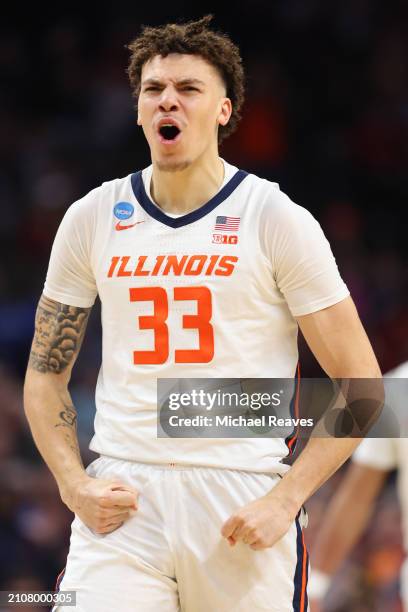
(173, 466)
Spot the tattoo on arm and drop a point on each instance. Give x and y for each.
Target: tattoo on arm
(68, 419)
(59, 331)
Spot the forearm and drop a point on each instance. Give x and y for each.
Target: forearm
(102, 504)
(340, 344)
(318, 461)
(59, 330)
(52, 419)
(324, 454)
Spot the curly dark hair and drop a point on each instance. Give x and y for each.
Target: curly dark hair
(194, 38)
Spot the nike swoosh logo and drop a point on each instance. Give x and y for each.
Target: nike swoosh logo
(120, 227)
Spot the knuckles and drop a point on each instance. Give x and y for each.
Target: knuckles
(255, 534)
(101, 513)
(238, 520)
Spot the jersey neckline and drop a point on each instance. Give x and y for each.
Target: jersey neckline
(155, 212)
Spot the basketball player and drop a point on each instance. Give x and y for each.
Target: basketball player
(350, 509)
(203, 271)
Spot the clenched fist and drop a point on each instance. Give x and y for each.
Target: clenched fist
(103, 505)
(259, 524)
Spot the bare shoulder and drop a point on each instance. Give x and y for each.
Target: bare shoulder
(59, 331)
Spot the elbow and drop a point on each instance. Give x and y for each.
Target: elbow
(366, 401)
(33, 393)
(41, 388)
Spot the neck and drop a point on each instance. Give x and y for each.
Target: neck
(183, 191)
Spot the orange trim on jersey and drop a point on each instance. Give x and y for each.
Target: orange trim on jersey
(304, 576)
(292, 440)
(59, 579)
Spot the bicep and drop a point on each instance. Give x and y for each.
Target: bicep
(339, 342)
(58, 335)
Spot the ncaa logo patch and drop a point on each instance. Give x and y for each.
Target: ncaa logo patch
(123, 210)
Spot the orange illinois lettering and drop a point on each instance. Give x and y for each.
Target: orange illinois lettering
(211, 266)
(122, 270)
(195, 259)
(114, 263)
(139, 268)
(226, 265)
(172, 265)
(159, 261)
(175, 265)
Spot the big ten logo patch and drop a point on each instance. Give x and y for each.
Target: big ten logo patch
(224, 239)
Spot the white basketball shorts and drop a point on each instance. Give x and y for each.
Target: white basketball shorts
(170, 556)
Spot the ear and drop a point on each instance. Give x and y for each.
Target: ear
(226, 111)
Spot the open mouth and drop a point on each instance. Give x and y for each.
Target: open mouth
(169, 132)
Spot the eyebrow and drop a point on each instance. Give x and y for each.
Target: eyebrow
(186, 81)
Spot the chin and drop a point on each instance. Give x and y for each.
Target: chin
(172, 165)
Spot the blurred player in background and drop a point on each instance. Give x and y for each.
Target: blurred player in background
(351, 507)
(203, 271)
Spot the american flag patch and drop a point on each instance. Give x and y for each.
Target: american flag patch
(227, 224)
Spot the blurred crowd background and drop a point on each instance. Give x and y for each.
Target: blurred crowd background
(326, 116)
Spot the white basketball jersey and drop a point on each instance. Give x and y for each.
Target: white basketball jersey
(209, 294)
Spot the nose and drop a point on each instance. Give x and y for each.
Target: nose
(168, 100)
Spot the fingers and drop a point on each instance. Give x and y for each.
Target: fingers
(113, 515)
(229, 527)
(123, 497)
(109, 528)
(119, 486)
(236, 528)
(229, 530)
(241, 528)
(232, 529)
(104, 505)
(108, 519)
(246, 534)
